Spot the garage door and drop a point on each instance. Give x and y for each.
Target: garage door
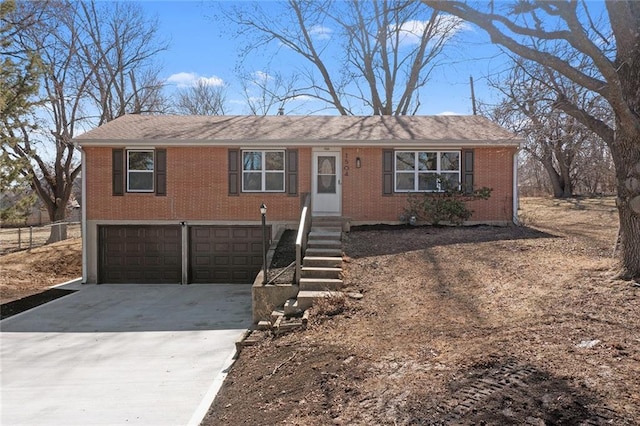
(140, 254)
(224, 254)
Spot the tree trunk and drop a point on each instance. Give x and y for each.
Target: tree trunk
(626, 155)
(58, 215)
(625, 147)
(565, 177)
(557, 184)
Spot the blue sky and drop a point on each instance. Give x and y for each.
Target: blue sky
(198, 49)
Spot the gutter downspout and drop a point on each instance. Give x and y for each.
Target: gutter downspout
(83, 224)
(516, 198)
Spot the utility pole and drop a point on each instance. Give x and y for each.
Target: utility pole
(473, 96)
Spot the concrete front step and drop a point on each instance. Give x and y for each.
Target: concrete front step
(327, 229)
(323, 252)
(307, 298)
(319, 262)
(320, 272)
(325, 234)
(324, 244)
(319, 284)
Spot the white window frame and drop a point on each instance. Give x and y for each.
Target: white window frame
(417, 172)
(263, 170)
(152, 171)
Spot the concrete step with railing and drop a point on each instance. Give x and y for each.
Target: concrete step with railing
(320, 284)
(321, 272)
(334, 244)
(323, 252)
(331, 234)
(322, 261)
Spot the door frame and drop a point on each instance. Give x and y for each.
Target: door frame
(337, 152)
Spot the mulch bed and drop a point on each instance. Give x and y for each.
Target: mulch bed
(17, 306)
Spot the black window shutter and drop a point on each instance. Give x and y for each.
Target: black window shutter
(467, 171)
(292, 172)
(387, 172)
(234, 172)
(117, 171)
(161, 171)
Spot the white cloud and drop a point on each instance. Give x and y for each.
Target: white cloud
(261, 77)
(411, 31)
(449, 113)
(320, 32)
(212, 81)
(190, 79)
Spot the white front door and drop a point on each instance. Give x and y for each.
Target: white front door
(326, 187)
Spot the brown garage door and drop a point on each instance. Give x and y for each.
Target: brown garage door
(140, 254)
(225, 254)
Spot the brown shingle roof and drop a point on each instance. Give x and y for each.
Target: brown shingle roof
(299, 129)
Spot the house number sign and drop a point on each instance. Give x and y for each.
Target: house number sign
(346, 164)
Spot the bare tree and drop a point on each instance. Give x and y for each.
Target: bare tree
(552, 137)
(264, 91)
(385, 49)
(117, 44)
(553, 34)
(96, 65)
(201, 99)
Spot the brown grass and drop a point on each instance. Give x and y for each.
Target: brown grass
(475, 325)
(28, 272)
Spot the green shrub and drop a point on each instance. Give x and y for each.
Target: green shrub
(448, 205)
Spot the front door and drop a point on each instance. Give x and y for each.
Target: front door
(327, 183)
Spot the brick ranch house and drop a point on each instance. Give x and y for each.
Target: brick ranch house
(175, 199)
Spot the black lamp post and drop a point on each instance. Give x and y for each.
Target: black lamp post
(263, 212)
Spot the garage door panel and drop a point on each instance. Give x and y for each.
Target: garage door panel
(240, 247)
(234, 253)
(202, 247)
(223, 233)
(241, 233)
(140, 254)
(221, 260)
(202, 260)
(241, 261)
(221, 247)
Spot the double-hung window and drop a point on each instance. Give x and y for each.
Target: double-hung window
(140, 169)
(263, 171)
(427, 171)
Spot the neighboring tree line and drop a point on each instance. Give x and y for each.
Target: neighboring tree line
(67, 66)
(561, 156)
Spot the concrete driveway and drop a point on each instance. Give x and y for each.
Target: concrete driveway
(121, 354)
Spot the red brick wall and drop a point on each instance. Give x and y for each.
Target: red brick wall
(197, 188)
(362, 187)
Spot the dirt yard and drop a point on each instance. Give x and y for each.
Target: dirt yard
(478, 325)
(472, 326)
(28, 272)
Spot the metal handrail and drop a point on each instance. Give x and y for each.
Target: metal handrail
(302, 235)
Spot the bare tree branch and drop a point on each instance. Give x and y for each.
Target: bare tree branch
(385, 49)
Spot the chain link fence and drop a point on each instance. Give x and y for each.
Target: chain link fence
(28, 237)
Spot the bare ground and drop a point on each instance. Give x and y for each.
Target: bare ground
(29, 272)
(467, 326)
(463, 326)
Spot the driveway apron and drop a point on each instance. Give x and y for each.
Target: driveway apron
(121, 354)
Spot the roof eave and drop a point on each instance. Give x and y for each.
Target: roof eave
(295, 142)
